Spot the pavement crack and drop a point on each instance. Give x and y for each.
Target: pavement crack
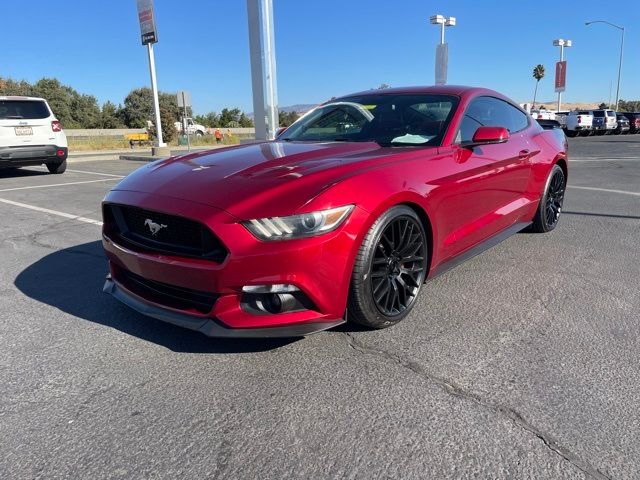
(457, 391)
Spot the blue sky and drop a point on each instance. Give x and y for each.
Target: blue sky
(324, 47)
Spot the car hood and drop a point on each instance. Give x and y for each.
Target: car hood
(270, 178)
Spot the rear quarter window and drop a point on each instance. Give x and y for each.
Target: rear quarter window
(23, 109)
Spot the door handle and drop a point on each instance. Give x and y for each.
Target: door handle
(524, 153)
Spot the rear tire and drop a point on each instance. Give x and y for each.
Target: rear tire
(389, 270)
(550, 207)
(571, 133)
(57, 168)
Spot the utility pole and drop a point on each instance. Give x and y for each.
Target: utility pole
(621, 28)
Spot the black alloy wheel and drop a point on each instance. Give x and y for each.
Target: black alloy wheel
(550, 206)
(390, 269)
(555, 197)
(397, 268)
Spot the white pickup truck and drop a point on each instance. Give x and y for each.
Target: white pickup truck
(576, 122)
(543, 114)
(191, 127)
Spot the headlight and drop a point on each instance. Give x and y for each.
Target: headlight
(298, 226)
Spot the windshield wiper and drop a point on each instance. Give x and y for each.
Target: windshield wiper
(13, 117)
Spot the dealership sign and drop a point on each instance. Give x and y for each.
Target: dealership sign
(442, 60)
(147, 19)
(561, 75)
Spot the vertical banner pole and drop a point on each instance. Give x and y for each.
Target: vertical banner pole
(154, 89)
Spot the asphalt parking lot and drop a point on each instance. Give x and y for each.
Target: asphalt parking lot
(520, 363)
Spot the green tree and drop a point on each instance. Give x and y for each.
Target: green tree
(85, 111)
(209, 120)
(228, 115)
(13, 87)
(382, 86)
(287, 118)
(603, 106)
(538, 74)
(110, 116)
(138, 107)
(59, 98)
(629, 106)
(245, 121)
(168, 128)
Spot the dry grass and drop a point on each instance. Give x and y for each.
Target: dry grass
(82, 144)
(79, 144)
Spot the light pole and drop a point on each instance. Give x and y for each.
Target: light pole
(561, 43)
(442, 51)
(263, 68)
(621, 52)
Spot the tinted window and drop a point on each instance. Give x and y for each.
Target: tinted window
(490, 112)
(598, 113)
(23, 109)
(388, 119)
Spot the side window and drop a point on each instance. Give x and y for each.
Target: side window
(490, 112)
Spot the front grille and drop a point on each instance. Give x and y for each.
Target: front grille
(148, 230)
(171, 296)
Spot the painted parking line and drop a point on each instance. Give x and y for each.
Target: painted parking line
(59, 184)
(89, 173)
(51, 212)
(95, 173)
(596, 189)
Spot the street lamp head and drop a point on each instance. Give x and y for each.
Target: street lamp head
(568, 43)
(437, 19)
(559, 42)
(450, 22)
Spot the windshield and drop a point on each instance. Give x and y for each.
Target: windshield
(23, 109)
(390, 120)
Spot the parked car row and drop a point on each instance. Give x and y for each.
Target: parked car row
(598, 122)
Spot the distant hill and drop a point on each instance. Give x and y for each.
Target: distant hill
(298, 108)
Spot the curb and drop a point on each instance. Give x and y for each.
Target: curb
(140, 158)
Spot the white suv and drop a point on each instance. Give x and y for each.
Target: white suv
(31, 135)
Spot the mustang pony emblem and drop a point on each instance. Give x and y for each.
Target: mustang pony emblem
(153, 226)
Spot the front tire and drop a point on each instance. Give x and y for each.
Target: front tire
(550, 207)
(58, 167)
(389, 270)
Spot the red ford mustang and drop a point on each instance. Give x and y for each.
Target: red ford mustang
(349, 210)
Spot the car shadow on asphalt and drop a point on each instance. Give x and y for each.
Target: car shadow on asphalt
(71, 280)
(21, 172)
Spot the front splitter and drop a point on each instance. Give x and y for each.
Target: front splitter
(210, 326)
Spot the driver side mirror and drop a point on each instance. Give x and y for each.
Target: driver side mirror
(488, 136)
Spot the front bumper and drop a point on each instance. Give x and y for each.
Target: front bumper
(320, 267)
(31, 155)
(210, 326)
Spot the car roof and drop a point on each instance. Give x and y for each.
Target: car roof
(22, 98)
(458, 90)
